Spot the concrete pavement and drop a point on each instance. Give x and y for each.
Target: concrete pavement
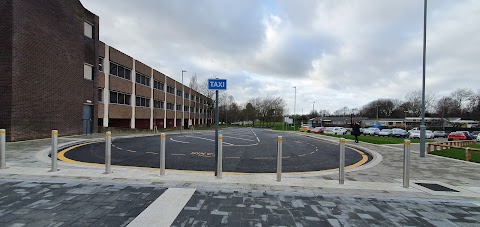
(378, 181)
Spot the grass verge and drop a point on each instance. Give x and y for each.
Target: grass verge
(459, 153)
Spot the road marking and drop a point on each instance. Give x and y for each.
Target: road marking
(255, 135)
(131, 151)
(232, 157)
(301, 155)
(286, 157)
(209, 139)
(262, 158)
(178, 154)
(148, 152)
(238, 138)
(178, 141)
(165, 209)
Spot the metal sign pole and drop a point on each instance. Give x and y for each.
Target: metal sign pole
(216, 132)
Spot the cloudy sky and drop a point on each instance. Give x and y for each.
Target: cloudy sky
(335, 52)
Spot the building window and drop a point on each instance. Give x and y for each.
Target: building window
(170, 106)
(142, 79)
(179, 107)
(157, 104)
(187, 96)
(192, 109)
(100, 64)
(120, 71)
(141, 101)
(186, 108)
(100, 94)
(170, 89)
(120, 98)
(88, 29)
(87, 72)
(179, 93)
(158, 85)
(192, 97)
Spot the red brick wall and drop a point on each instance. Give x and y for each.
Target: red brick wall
(48, 88)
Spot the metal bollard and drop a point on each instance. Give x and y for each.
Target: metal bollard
(341, 169)
(3, 161)
(162, 154)
(468, 154)
(279, 158)
(53, 152)
(219, 158)
(406, 163)
(108, 153)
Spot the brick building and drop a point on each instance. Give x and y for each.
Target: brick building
(53, 66)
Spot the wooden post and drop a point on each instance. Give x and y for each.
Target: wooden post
(468, 154)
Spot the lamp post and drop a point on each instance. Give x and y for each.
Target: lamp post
(313, 109)
(422, 125)
(302, 117)
(377, 114)
(183, 102)
(405, 119)
(294, 105)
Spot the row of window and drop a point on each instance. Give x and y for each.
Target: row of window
(170, 89)
(158, 85)
(142, 79)
(179, 92)
(142, 101)
(120, 71)
(124, 99)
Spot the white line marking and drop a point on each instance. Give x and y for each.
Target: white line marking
(255, 135)
(148, 152)
(178, 154)
(164, 210)
(312, 152)
(240, 145)
(262, 158)
(301, 155)
(238, 138)
(131, 151)
(178, 141)
(232, 157)
(209, 139)
(286, 157)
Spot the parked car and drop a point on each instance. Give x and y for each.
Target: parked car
(317, 130)
(429, 134)
(400, 133)
(478, 138)
(442, 134)
(457, 136)
(385, 132)
(370, 131)
(305, 128)
(414, 134)
(474, 134)
(467, 134)
(335, 131)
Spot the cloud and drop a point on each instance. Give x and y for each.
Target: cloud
(337, 53)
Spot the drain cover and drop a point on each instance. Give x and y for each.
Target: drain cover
(436, 187)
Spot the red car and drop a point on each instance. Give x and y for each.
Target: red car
(317, 130)
(457, 136)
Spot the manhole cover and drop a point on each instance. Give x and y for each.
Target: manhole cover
(436, 187)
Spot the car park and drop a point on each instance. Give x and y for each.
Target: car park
(370, 131)
(478, 138)
(442, 134)
(385, 132)
(305, 128)
(474, 134)
(317, 130)
(429, 134)
(414, 134)
(400, 133)
(457, 136)
(335, 131)
(467, 134)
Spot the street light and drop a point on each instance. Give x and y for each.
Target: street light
(294, 105)
(183, 103)
(313, 109)
(377, 114)
(405, 111)
(422, 125)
